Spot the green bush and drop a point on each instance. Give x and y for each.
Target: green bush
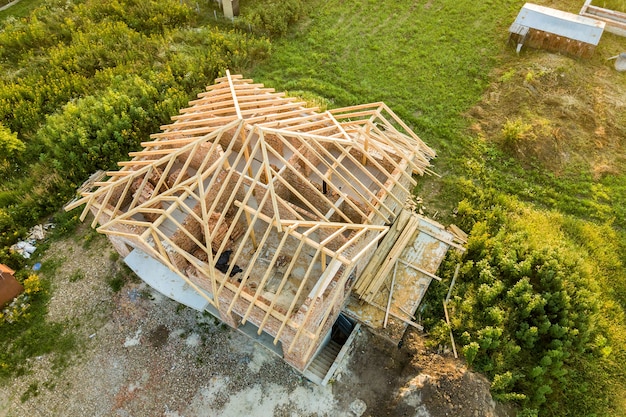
(515, 132)
(272, 17)
(83, 83)
(529, 311)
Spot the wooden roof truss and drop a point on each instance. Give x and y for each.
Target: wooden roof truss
(297, 195)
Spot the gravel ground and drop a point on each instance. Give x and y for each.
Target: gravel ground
(145, 355)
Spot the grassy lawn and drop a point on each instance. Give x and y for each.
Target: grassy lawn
(21, 9)
(407, 54)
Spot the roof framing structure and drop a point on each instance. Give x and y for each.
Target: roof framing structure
(265, 207)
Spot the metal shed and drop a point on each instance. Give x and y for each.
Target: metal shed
(554, 30)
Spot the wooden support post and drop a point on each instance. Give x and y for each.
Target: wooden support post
(456, 273)
(445, 310)
(422, 270)
(366, 147)
(251, 227)
(399, 317)
(393, 281)
(246, 154)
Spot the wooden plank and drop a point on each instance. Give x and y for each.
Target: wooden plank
(393, 281)
(356, 257)
(232, 91)
(445, 309)
(394, 254)
(442, 239)
(270, 184)
(456, 274)
(460, 234)
(419, 269)
(381, 252)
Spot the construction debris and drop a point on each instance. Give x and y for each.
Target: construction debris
(27, 247)
(620, 61)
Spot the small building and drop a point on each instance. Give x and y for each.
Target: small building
(276, 217)
(554, 30)
(9, 286)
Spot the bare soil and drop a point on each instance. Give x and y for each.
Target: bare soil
(573, 112)
(142, 354)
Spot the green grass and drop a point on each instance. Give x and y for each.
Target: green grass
(618, 5)
(21, 9)
(429, 61)
(33, 335)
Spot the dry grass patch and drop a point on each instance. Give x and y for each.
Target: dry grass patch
(556, 110)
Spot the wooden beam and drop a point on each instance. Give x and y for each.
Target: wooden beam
(445, 310)
(297, 295)
(270, 184)
(418, 269)
(456, 274)
(283, 281)
(235, 103)
(393, 282)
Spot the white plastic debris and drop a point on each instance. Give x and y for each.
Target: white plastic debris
(24, 248)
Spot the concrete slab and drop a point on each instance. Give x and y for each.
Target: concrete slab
(162, 279)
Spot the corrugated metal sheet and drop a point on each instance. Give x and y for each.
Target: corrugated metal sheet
(560, 23)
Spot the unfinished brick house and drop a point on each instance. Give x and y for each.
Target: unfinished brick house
(267, 213)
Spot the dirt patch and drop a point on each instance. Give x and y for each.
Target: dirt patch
(413, 381)
(144, 355)
(557, 111)
(158, 336)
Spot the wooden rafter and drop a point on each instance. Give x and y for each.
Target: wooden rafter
(243, 156)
